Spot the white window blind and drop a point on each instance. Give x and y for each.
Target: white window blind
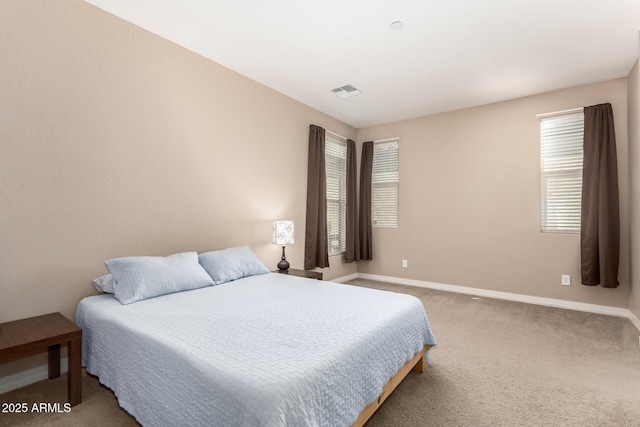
(561, 140)
(336, 172)
(385, 184)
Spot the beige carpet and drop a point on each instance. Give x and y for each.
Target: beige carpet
(498, 363)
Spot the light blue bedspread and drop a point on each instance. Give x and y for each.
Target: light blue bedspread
(267, 350)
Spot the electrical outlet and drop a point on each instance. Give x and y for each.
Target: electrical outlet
(405, 263)
(566, 280)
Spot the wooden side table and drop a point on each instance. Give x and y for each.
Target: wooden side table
(25, 337)
(309, 274)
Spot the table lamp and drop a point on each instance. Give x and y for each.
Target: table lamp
(283, 235)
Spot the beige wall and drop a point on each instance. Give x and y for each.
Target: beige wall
(633, 95)
(470, 200)
(116, 142)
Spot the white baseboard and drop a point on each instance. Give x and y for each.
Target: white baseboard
(345, 278)
(634, 320)
(550, 302)
(29, 376)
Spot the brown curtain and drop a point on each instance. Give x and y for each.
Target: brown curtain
(352, 250)
(366, 166)
(600, 220)
(316, 245)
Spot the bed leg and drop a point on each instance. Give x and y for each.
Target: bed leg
(421, 366)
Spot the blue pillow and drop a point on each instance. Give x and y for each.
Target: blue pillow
(230, 264)
(138, 278)
(104, 283)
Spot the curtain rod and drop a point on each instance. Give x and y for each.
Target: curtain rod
(336, 135)
(560, 113)
(387, 139)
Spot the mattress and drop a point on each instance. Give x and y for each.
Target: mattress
(266, 350)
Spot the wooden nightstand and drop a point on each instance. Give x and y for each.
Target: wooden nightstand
(309, 274)
(25, 337)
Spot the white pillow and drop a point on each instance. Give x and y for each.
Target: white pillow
(104, 283)
(230, 264)
(138, 278)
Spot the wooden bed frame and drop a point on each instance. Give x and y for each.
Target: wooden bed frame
(417, 363)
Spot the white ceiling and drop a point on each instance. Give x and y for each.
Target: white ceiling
(451, 54)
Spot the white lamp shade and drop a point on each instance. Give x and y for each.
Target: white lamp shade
(283, 233)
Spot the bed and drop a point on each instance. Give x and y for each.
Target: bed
(263, 350)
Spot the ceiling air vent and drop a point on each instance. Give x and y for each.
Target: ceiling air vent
(346, 91)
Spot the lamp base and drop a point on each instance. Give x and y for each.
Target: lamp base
(283, 265)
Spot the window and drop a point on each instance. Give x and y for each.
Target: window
(335, 152)
(561, 140)
(384, 182)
